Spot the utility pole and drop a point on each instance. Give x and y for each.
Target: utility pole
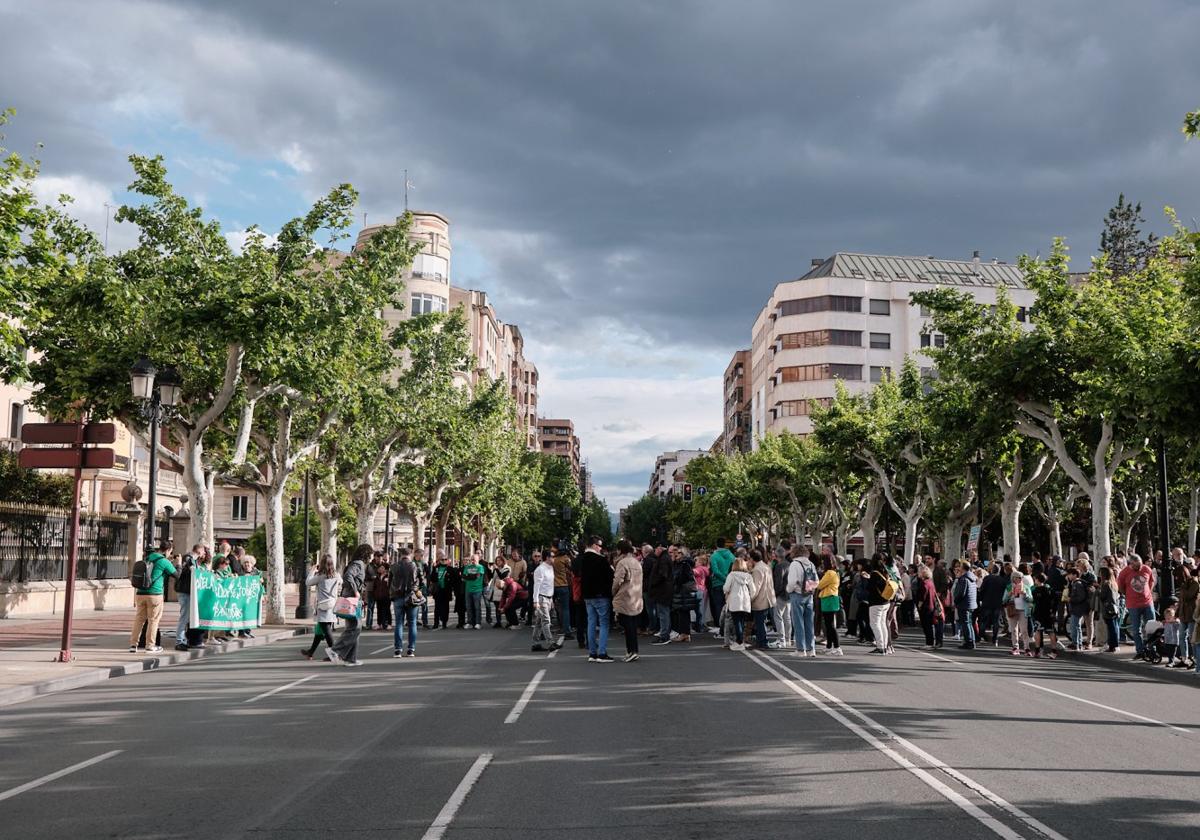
(1166, 580)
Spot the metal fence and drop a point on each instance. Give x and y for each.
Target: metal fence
(33, 544)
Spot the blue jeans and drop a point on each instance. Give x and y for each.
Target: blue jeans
(760, 627)
(802, 619)
(966, 626)
(474, 599)
(598, 618)
(1075, 630)
(1114, 632)
(405, 615)
(1137, 616)
(370, 611)
(562, 601)
(182, 623)
(1185, 638)
(663, 611)
(716, 603)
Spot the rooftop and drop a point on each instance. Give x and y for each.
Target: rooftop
(972, 272)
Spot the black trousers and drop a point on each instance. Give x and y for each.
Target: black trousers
(441, 609)
(326, 634)
(579, 620)
(831, 636)
(629, 623)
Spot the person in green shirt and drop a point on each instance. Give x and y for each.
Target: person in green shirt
(473, 574)
(148, 600)
(719, 564)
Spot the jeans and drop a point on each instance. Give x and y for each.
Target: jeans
(739, 626)
(1185, 638)
(716, 602)
(1075, 630)
(760, 627)
(783, 619)
(182, 623)
(474, 599)
(801, 609)
(1138, 616)
(966, 626)
(562, 602)
(879, 629)
(701, 601)
(1114, 632)
(405, 615)
(597, 625)
(662, 612)
(369, 606)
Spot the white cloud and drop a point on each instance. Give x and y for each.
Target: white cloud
(296, 158)
(88, 205)
(237, 238)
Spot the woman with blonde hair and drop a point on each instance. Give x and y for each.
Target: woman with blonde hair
(739, 594)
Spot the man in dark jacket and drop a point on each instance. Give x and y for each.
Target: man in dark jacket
(443, 582)
(1056, 579)
(661, 590)
(596, 578)
(965, 603)
(991, 604)
(407, 582)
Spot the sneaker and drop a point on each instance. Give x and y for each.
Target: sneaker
(812, 652)
(737, 646)
(133, 648)
(1016, 652)
(630, 657)
(476, 627)
(411, 654)
(1137, 657)
(634, 657)
(397, 653)
(181, 646)
(333, 657)
(673, 636)
(356, 663)
(877, 652)
(837, 651)
(604, 657)
(154, 649)
(777, 645)
(304, 652)
(591, 658)
(661, 642)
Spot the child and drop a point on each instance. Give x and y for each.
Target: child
(1016, 604)
(1170, 635)
(1043, 617)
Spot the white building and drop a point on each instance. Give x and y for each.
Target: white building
(850, 318)
(668, 470)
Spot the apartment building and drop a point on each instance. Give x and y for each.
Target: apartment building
(667, 477)
(850, 319)
(736, 435)
(557, 437)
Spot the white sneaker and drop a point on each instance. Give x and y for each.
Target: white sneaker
(736, 646)
(674, 635)
(476, 626)
(154, 649)
(837, 651)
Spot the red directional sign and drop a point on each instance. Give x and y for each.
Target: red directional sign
(64, 433)
(66, 459)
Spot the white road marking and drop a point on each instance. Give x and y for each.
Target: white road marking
(525, 697)
(9, 794)
(1133, 715)
(934, 763)
(932, 655)
(382, 649)
(445, 816)
(554, 652)
(281, 688)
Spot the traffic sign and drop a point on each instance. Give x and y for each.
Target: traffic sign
(701, 490)
(64, 433)
(66, 459)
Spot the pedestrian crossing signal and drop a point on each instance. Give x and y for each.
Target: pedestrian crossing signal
(687, 492)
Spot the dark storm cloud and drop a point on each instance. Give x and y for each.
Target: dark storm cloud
(663, 165)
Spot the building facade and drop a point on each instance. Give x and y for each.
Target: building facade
(557, 437)
(736, 435)
(667, 477)
(850, 319)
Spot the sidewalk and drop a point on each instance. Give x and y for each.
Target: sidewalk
(29, 647)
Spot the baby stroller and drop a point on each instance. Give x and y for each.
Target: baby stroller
(1152, 633)
(543, 638)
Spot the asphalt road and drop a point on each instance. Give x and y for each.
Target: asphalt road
(466, 740)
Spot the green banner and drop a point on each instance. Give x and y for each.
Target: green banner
(224, 603)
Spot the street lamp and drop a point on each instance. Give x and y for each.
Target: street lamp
(302, 610)
(157, 392)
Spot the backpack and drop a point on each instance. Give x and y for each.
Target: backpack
(889, 588)
(810, 578)
(142, 576)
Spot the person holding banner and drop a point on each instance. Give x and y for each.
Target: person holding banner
(349, 605)
(326, 581)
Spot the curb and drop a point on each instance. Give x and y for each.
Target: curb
(1121, 662)
(100, 673)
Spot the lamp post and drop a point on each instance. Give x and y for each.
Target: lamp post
(157, 392)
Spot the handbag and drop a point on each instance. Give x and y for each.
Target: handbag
(347, 607)
(831, 603)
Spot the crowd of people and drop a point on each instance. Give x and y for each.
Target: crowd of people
(788, 597)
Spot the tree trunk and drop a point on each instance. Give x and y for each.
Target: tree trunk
(365, 515)
(952, 538)
(868, 523)
(910, 535)
(200, 526)
(1100, 496)
(1193, 516)
(329, 529)
(1010, 528)
(275, 565)
(1055, 527)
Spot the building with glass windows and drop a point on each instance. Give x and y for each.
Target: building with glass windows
(850, 319)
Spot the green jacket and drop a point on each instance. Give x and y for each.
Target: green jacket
(161, 568)
(719, 565)
(475, 585)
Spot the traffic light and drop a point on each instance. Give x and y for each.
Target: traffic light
(687, 492)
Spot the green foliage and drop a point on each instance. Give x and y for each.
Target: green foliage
(646, 520)
(555, 492)
(595, 520)
(30, 487)
(293, 539)
(1121, 240)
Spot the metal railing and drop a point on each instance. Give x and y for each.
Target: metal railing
(33, 544)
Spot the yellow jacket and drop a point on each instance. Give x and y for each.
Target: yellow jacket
(828, 585)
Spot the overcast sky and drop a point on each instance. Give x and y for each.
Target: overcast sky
(627, 180)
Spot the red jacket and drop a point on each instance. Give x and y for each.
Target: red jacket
(513, 592)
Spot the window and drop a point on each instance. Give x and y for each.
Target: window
(16, 419)
(241, 508)
(812, 373)
(820, 338)
(925, 312)
(423, 304)
(939, 340)
(881, 341)
(801, 408)
(878, 372)
(1022, 314)
(925, 340)
(881, 307)
(821, 303)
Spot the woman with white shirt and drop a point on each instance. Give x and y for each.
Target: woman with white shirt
(739, 594)
(327, 582)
